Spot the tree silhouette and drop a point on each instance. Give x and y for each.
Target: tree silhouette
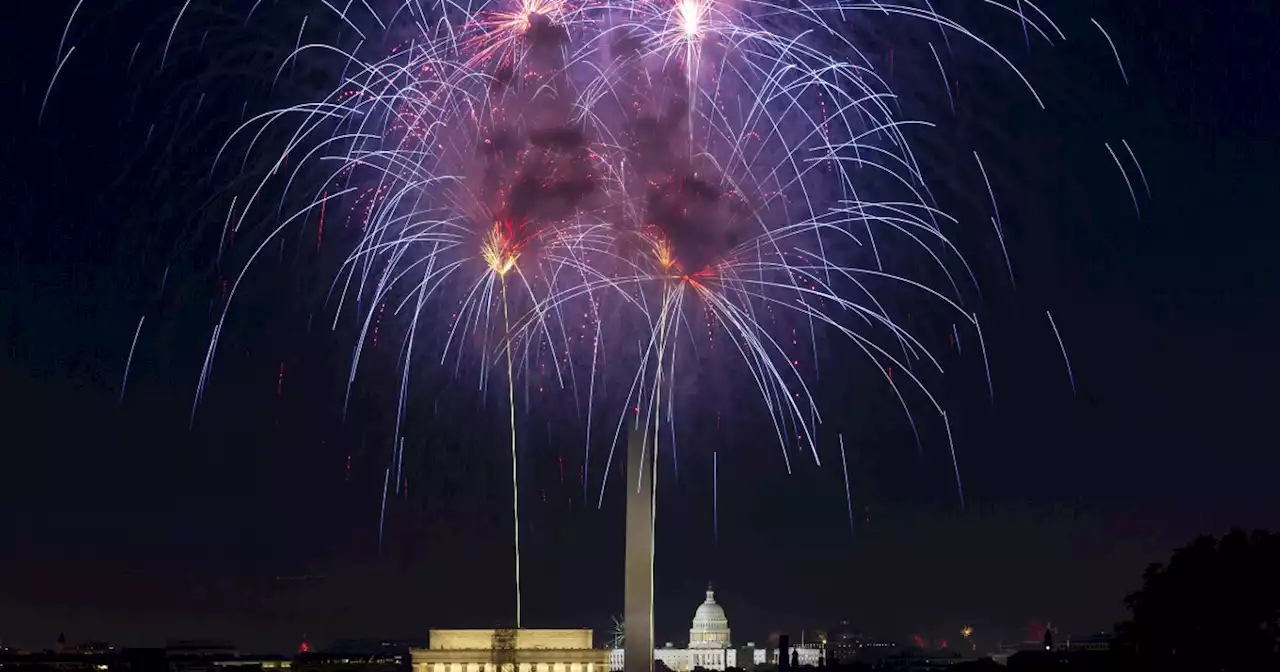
(1216, 606)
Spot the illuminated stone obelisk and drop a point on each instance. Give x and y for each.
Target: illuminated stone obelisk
(638, 602)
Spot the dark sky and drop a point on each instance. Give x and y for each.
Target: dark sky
(121, 522)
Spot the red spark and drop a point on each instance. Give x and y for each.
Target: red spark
(377, 325)
(320, 229)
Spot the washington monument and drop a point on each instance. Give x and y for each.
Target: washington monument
(638, 603)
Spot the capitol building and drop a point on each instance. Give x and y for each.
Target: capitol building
(711, 646)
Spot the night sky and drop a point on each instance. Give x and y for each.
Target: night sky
(259, 522)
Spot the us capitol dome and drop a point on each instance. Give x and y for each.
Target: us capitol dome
(710, 626)
(710, 646)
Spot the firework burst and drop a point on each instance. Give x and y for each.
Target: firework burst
(678, 180)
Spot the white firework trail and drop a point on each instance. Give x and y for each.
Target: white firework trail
(1133, 196)
(1133, 157)
(1065, 360)
(1114, 52)
(124, 379)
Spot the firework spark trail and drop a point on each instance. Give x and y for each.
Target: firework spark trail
(382, 512)
(124, 380)
(1066, 360)
(399, 464)
(1146, 187)
(66, 29)
(715, 495)
(1114, 52)
(951, 445)
(982, 345)
(995, 221)
(946, 85)
(164, 58)
(223, 238)
(511, 402)
(404, 379)
(1133, 196)
(1026, 34)
(848, 496)
(53, 80)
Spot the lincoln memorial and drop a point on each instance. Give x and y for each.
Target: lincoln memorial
(510, 650)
